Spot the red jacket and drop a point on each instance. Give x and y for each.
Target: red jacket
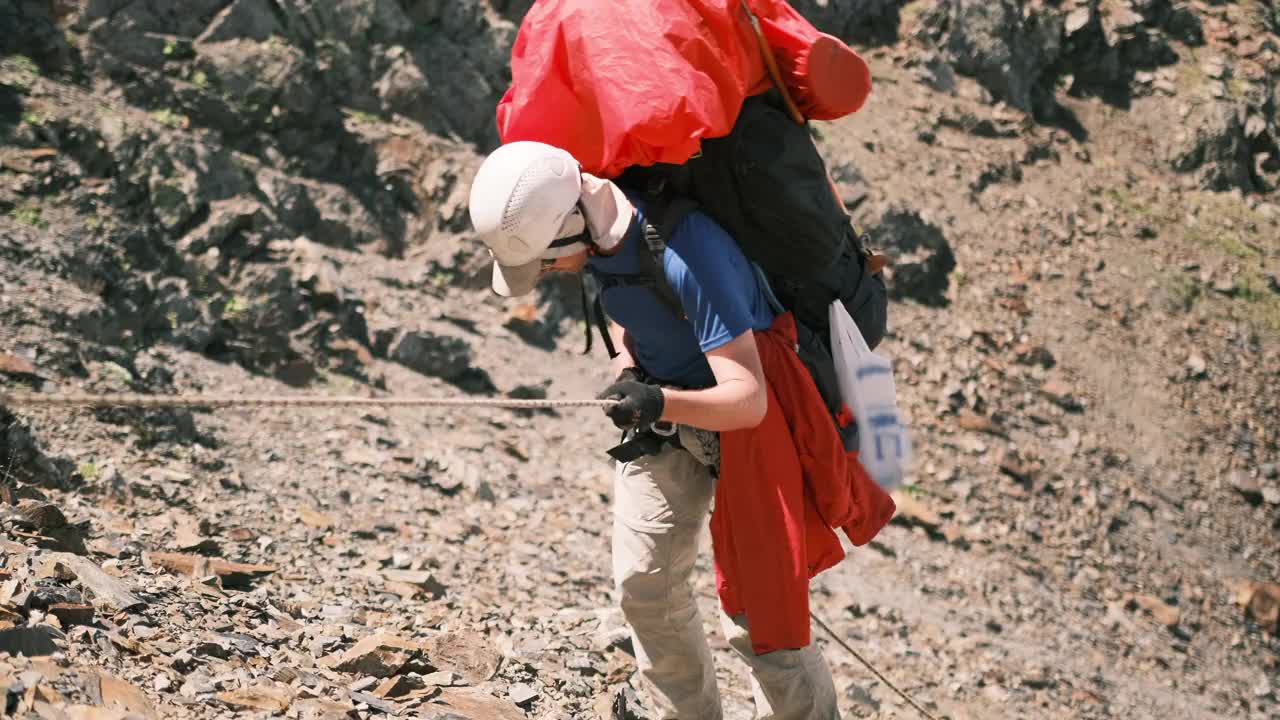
(784, 485)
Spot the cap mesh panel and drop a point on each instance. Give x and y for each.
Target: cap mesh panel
(532, 177)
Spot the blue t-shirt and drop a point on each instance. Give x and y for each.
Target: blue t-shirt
(716, 284)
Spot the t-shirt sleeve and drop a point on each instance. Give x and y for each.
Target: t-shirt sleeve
(712, 278)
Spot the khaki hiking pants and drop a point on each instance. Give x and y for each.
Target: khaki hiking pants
(661, 505)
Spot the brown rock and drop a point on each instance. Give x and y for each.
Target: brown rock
(189, 534)
(471, 702)
(1246, 485)
(51, 527)
(415, 581)
(92, 712)
(1261, 600)
(973, 422)
(915, 512)
(1013, 465)
(118, 693)
(381, 655)
(443, 678)
(1165, 614)
(1062, 395)
(232, 573)
(399, 686)
(264, 697)
(108, 592)
(1034, 354)
(72, 613)
(316, 708)
(315, 519)
(466, 653)
(16, 366)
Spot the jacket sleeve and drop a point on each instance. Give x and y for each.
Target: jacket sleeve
(844, 494)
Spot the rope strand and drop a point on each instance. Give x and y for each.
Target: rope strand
(870, 667)
(226, 401)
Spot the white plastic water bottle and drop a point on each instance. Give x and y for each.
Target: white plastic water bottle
(866, 386)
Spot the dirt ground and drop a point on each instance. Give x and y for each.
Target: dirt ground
(1090, 530)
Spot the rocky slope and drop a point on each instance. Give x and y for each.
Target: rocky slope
(268, 197)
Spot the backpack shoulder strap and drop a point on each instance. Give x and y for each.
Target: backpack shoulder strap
(669, 209)
(652, 264)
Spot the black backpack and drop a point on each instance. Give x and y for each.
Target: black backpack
(766, 184)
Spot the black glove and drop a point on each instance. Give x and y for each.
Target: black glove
(630, 373)
(640, 404)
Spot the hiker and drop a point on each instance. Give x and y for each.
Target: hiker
(717, 366)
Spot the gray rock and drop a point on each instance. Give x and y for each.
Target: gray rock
(243, 19)
(443, 356)
(358, 23)
(864, 704)
(227, 220)
(1010, 53)
(513, 9)
(521, 693)
(1006, 171)
(183, 175)
(32, 30)
(937, 73)
(626, 706)
(25, 460)
(1246, 485)
(34, 641)
(870, 22)
(265, 80)
(1213, 147)
(403, 89)
(198, 684)
(141, 31)
(290, 199)
(1197, 367)
(1271, 494)
(853, 187)
(1179, 20)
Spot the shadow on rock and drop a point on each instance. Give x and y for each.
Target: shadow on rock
(921, 259)
(10, 110)
(22, 459)
(1020, 57)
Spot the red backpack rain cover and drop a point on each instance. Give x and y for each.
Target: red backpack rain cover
(640, 82)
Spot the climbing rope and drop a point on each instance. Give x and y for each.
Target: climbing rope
(229, 401)
(870, 667)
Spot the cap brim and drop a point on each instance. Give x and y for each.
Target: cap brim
(515, 280)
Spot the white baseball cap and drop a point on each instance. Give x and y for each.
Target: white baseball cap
(525, 206)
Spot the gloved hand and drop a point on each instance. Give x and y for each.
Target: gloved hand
(640, 404)
(630, 373)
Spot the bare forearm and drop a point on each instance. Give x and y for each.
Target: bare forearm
(733, 405)
(737, 401)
